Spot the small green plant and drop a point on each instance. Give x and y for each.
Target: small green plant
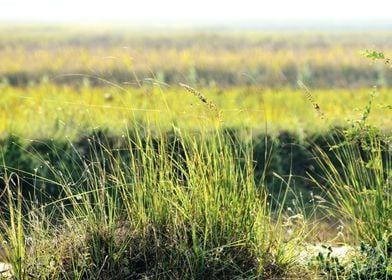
(372, 262)
(369, 262)
(374, 55)
(328, 264)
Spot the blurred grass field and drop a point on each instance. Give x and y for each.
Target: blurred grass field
(63, 80)
(128, 55)
(47, 110)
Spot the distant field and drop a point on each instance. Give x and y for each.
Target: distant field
(69, 79)
(48, 110)
(324, 59)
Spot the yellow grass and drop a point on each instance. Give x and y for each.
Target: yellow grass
(50, 111)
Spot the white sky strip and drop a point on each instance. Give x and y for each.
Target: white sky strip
(200, 10)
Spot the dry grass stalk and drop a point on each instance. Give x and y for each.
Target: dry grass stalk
(203, 99)
(311, 99)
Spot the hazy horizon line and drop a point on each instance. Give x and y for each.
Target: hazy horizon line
(365, 23)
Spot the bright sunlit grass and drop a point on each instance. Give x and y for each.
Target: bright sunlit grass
(48, 111)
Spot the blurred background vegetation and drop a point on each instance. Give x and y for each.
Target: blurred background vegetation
(64, 79)
(269, 59)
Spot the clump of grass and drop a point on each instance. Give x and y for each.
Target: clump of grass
(12, 225)
(154, 209)
(357, 179)
(358, 183)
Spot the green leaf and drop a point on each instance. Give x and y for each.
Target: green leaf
(374, 55)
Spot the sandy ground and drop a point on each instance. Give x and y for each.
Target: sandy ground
(343, 253)
(5, 270)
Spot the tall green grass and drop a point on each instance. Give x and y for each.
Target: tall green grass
(181, 208)
(358, 182)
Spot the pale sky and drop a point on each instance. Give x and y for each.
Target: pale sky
(200, 10)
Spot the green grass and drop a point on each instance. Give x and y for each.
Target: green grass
(356, 176)
(197, 214)
(357, 179)
(187, 206)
